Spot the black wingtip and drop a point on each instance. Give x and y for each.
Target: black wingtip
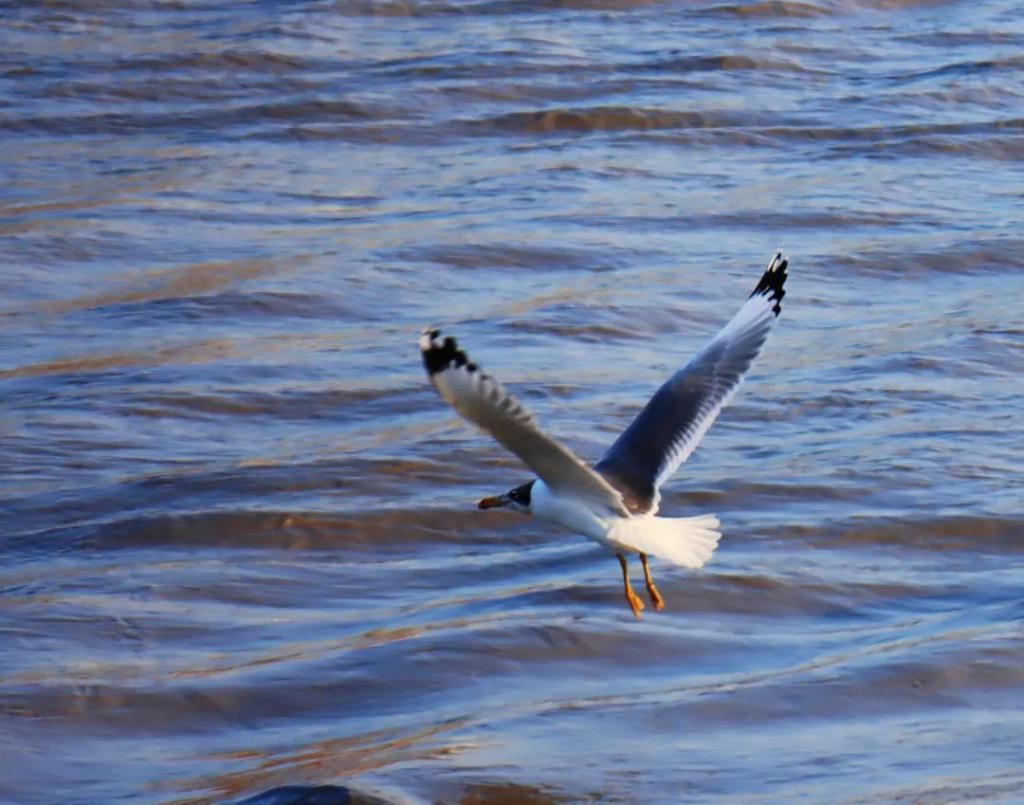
(440, 353)
(772, 280)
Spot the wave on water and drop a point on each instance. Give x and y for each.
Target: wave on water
(771, 9)
(609, 118)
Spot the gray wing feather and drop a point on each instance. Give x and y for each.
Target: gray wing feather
(482, 400)
(674, 421)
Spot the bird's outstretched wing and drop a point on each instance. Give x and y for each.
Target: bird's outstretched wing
(676, 418)
(482, 400)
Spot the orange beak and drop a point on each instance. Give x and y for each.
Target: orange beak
(495, 502)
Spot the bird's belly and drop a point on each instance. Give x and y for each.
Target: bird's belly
(583, 522)
(593, 521)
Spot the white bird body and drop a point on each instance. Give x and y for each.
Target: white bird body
(685, 541)
(615, 501)
(596, 522)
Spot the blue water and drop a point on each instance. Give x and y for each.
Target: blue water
(241, 549)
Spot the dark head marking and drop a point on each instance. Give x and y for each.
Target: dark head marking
(521, 494)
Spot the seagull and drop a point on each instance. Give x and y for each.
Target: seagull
(615, 501)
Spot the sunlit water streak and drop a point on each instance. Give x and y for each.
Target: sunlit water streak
(240, 545)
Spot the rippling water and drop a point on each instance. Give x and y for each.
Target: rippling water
(241, 550)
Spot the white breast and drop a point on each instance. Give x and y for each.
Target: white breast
(583, 517)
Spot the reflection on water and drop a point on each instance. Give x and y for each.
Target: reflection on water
(242, 556)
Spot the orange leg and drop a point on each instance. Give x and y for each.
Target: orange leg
(652, 591)
(632, 598)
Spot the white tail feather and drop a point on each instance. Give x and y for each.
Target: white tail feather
(685, 541)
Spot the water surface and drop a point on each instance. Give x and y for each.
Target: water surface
(241, 550)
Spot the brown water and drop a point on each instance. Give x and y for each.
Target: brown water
(240, 544)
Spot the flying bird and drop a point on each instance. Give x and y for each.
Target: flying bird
(615, 502)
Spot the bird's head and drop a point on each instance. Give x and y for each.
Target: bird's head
(517, 499)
